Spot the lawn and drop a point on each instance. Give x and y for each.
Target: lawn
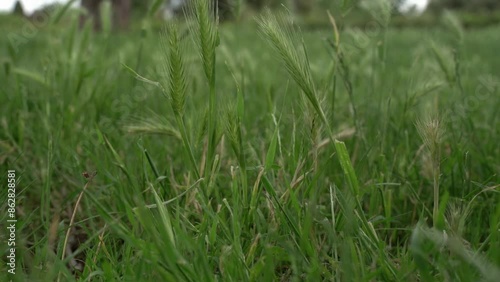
(258, 150)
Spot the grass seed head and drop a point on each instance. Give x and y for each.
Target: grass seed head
(204, 27)
(174, 66)
(431, 132)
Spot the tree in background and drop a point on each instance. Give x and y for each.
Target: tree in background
(450, 4)
(225, 8)
(472, 5)
(18, 9)
(121, 13)
(482, 4)
(303, 6)
(260, 4)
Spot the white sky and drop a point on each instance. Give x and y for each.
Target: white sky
(31, 5)
(420, 5)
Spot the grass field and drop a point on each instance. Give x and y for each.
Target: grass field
(372, 156)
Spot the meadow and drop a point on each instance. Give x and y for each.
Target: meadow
(262, 150)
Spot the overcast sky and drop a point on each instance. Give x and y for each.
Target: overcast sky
(420, 4)
(31, 5)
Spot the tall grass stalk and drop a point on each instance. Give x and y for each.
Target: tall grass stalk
(233, 132)
(431, 132)
(174, 65)
(297, 65)
(205, 29)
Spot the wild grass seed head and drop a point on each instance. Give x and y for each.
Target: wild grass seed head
(174, 66)
(431, 132)
(204, 23)
(297, 66)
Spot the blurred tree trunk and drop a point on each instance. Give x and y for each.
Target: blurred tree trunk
(256, 4)
(259, 4)
(121, 13)
(92, 13)
(225, 9)
(450, 4)
(303, 6)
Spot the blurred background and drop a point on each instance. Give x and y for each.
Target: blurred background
(127, 12)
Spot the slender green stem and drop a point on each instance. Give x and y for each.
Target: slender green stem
(211, 125)
(187, 145)
(437, 172)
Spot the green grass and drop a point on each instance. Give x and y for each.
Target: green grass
(253, 151)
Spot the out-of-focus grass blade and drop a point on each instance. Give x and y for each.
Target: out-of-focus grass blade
(347, 6)
(271, 152)
(60, 12)
(426, 243)
(270, 189)
(419, 254)
(153, 206)
(142, 78)
(165, 217)
(240, 107)
(346, 164)
(335, 29)
(118, 159)
(154, 7)
(443, 63)
(31, 75)
(152, 164)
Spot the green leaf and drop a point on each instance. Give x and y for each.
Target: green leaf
(271, 152)
(346, 164)
(240, 107)
(154, 7)
(165, 217)
(31, 75)
(60, 12)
